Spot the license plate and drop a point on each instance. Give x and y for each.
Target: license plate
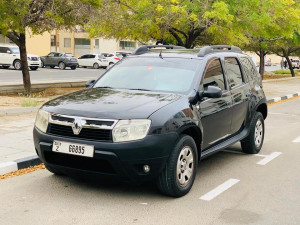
(73, 148)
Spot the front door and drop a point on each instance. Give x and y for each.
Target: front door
(215, 113)
(239, 90)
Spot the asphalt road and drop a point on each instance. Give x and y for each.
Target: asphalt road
(262, 189)
(46, 75)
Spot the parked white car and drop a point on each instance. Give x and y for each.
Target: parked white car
(93, 60)
(113, 57)
(10, 56)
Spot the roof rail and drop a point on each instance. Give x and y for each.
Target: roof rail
(145, 48)
(218, 48)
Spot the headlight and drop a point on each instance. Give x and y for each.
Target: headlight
(129, 130)
(41, 121)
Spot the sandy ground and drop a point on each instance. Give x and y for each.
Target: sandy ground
(10, 101)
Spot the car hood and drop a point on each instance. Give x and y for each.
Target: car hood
(110, 103)
(31, 55)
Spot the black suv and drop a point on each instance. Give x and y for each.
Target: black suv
(154, 115)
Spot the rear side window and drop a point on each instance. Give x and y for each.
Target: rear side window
(214, 75)
(234, 74)
(3, 49)
(249, 67)
(92, 56)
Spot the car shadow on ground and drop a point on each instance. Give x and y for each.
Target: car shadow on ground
(208, 167)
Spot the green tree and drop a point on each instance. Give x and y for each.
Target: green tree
(37, 16)
(180, 22)
(286, 47)
(256, 24)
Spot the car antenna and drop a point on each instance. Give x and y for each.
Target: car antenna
(160, 54)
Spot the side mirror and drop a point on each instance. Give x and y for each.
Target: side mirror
(89, 83)
(212, 92)
(8, 51)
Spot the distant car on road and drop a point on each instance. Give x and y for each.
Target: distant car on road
(295, 63)
(113, 57)
(10, 56)
(62, 60)
(268, 62)
(93, 60)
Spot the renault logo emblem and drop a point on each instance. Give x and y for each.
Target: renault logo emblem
(77, 125)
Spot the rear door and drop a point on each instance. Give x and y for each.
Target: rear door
(91, 60)
(215, 113)
(240, 91)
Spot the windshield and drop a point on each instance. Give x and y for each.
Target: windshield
(15, 50)
(69, 55)
(153, 74)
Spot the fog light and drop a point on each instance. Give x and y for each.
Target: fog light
(146, 168)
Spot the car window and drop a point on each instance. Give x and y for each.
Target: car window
(92, 56)
(249, 67)
(14, 50)
(101, 57)
(214, 75)
(82, 57)
(51, 54)
(3, 50)
(234, 74)
(154, 74)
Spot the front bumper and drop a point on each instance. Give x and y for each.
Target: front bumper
(122, 161)
(34, 63)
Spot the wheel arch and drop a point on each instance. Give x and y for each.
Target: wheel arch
(196, 134)
(263, 109)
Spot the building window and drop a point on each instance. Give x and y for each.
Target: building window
(67, 42)
(82, 46)
(53, 40)
(127, 45)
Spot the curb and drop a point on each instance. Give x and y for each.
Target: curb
(18, 164)
(277, 99)
(19, 88)
(18, 111)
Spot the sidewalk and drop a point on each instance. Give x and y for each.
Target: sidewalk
(16, 130)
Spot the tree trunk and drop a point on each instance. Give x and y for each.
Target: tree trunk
(261, 63)
(24, 63)
(290, 65)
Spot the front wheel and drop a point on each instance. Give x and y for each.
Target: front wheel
(254, 141)
(178, 176)
(42, 64)
(17, 64)
(62, 65)
(33, 67)
(96, 66)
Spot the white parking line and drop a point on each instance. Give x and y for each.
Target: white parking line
(218, 190)
(296, 140)
(267, 158)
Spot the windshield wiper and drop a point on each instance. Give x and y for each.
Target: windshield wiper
(105, 87)
(139, 89)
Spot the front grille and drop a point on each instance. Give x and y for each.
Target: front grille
(79, 162)
(85, 133)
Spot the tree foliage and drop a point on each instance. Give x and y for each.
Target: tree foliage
(180, 22)
(38, 16)
(256, 24)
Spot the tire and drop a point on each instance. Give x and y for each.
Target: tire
(62, 65)
(33, 67)
(254, 141)
(73, 67)
(96, 66)
(17, 64)
(111, 63)
(52, 67)
(171, 181)
(55, 171)
(42, 64)
(104, 67)
(5, 67)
